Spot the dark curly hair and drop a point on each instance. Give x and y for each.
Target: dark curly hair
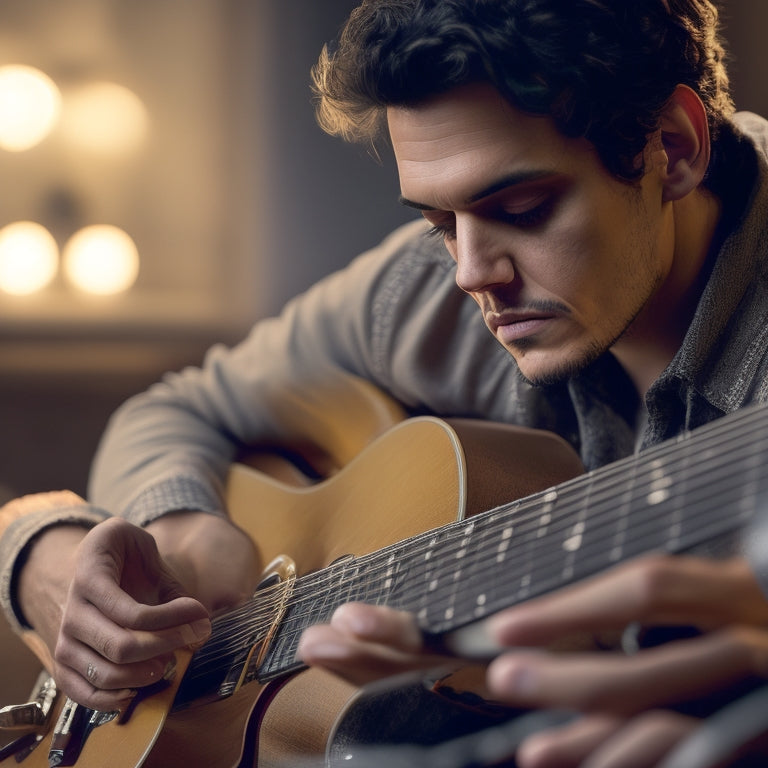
(603, 69)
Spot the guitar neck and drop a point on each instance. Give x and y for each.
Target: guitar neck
(682, 494)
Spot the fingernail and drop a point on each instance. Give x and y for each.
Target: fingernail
(513, 678)
(322, 652)
(352, 623)
(195, 633)
(526, 680)
(474, 641)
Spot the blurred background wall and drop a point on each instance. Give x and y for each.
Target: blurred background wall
(188, 125)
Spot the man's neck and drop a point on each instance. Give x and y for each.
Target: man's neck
(649, 345)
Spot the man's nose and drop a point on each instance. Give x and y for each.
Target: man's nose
(482, 258)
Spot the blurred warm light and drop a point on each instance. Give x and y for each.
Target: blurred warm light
(29, 257)
(101, 259)
(105, 118)
(30, 104)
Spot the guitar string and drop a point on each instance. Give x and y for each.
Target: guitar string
(461, 533)
(260, 623)
(563, 511)
(528, 543)
(540, 558)
(594, 523)
(551, 567)
(597, 545)
(598, 531)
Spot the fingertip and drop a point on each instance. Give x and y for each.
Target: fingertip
(319, 645)
(474, 641)
(196, 633)
(511, 678)
(508, 628)
(378, 624)
(536, 751)
(354, 619)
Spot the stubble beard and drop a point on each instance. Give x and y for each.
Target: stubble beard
(594, 349)
(566, 370)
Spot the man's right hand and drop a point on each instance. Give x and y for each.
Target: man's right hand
(124, 613)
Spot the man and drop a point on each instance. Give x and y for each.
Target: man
(601, 204)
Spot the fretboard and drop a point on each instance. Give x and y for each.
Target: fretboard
(696, 490)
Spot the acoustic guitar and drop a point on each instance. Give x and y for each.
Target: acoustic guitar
(421, 521)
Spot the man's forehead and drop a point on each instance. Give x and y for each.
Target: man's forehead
(467, 138)
(452, 116)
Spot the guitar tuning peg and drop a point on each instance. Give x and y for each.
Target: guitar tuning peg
(34, 713)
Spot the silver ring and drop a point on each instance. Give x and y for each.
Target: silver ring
(90, 673)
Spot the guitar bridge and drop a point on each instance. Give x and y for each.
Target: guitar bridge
(35, 713)
(32, 717)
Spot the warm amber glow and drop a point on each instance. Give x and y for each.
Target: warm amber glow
(101, 259)
(105, 118)
(29, 258)
(29, 106)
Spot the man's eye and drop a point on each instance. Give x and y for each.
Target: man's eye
(530, 218)
(442, 231)
(442, 227)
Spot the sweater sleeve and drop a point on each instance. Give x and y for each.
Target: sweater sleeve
(20, 521)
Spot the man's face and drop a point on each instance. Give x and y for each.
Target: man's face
(560, 256)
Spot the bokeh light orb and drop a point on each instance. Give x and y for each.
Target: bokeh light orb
(101, 259)
(30, 105)
(29, 258)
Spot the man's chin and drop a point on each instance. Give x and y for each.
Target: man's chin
(548, 372)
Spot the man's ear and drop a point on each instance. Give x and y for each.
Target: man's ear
(685, 137)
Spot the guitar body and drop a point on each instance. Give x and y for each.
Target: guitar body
(421, 474)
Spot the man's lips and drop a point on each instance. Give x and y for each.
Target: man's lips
(512, 326)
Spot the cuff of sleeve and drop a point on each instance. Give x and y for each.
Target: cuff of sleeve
(175, 494)
(18, 535)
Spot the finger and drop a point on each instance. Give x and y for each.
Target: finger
(566, 746)
(604, 741)
(658, 589)
(118, 554)
(642, 742)
(671, 673)
(378, 624)
(82, 622)
(101, 673)
(122, 609)
(359, 661)
(158, 606)
(77, 688)
(99, 586)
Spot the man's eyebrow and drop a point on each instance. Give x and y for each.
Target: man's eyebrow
(413, 204)
(510, 180)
